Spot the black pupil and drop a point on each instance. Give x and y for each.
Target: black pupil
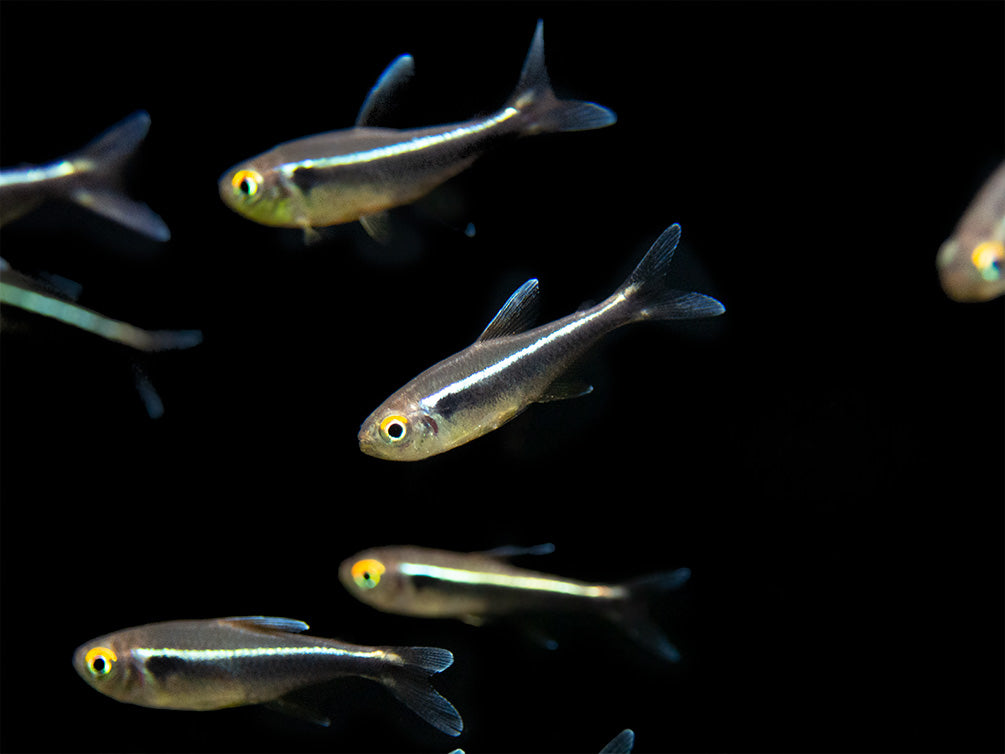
(366, 576)
(98, 664)
(245, 186)
(395, 431)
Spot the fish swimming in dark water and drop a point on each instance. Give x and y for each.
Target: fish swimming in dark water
(972, 261)
(360, 172)
(90, 178)
(229, 662)
(509, 367)
(478, 586)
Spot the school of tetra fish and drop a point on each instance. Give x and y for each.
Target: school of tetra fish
(359, 174)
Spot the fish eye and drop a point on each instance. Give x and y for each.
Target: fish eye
(989, 258)
(246, 182)
(99, 661)
(394, 428)
(367, 573)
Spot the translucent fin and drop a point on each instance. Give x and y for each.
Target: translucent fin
(287, 625)
(621, 743)
(103, 159)
(410, 683)
(148, 393)
(295, 706)
(121, 209)
(647, 291)
(378, 102)
(517, 314)
(563, 389)
(515, 551)
(633, 615)
(542, 110)
(377, 226)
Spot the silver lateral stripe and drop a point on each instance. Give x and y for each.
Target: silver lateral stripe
(431, 400)
(483, 578)
(229, 654)
(41, 173)
(404, 147)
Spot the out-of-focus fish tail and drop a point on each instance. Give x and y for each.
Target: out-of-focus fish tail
(633, 613)
(102, 162)
(646, 291)
(410, 683)
(540, 109)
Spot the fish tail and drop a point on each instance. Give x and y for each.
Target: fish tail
(540, 109)
(103, 160)
(647, 293)
(410, 683)
(633, 615)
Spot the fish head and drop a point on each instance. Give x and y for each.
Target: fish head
(373, 577)
(401, 430)
(107, 665)
(259, 193)
(972, 269)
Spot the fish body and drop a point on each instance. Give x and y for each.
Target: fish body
(509, 367)
(89, 177)
(971, 262)
(229, 662)
(358, 173)
(474, 587)
(25, 293)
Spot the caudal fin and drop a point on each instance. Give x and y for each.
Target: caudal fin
(103, 161)
(410, 683)
(540, 109)
(634, 613)
(647, 292)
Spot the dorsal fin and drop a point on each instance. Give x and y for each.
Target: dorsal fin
(512, 551)
(516, 315)
(378, 101)
(268, 623)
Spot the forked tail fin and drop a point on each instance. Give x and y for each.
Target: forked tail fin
(102, 161)
(410, 683)
(540, 109)
(633, 615)
(647, 292)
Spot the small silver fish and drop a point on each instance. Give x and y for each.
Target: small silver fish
(509, 367)
(358, 173)
(972, 261)
(229, 662)
(25, 293)
(89, 177)
(476, 586)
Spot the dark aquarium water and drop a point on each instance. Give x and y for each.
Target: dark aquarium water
(826, 457)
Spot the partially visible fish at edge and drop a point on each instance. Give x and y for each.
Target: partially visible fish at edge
(479, 586)
(971, 262)
(508, 367)
(360, 172)
(90, 177)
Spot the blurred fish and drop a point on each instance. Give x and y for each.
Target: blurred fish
(229, 662)
(972, 261)
(90, 177)
(25, 293)
(358, 173)
(476, 586)
(509, 367)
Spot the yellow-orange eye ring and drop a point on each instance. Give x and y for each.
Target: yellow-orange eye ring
(246, 182)
(989, 258)
(99, 660)
(367, 573)
(394, 428)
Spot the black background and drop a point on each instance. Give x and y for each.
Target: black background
(826, 457)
